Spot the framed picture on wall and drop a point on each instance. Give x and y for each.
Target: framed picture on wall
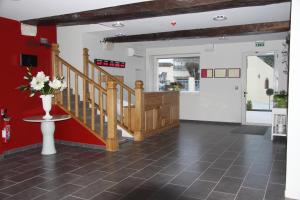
(234, 73)
(220, 73)
(207, 73)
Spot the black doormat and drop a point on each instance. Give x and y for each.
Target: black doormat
(251, 130)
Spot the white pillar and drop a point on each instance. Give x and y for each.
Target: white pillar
(293, 141)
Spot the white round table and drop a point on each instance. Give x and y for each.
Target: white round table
(47, 128)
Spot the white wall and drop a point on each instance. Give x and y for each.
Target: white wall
(134, 65)
(293, 140)
(218, 100)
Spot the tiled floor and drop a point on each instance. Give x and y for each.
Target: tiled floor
(196, 161)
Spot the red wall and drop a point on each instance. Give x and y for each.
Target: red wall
(18, 103)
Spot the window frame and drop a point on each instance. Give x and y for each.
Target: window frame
(169, 56)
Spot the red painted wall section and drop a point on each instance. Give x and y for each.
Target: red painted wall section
(71, 130)
(18, 103)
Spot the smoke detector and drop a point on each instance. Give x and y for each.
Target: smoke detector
(220, 18)
(118, 24)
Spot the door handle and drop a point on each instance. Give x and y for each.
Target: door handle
(245, 93)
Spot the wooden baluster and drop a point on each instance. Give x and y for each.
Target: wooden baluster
(129, 111)
(84, 81)
(68, 88)
(93, 72)
(139, 111)
(112, 141)
(121, 103)
(93, 106)
(102, 115)
(76, 95)
(59, 74)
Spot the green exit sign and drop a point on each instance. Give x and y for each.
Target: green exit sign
(259, 43)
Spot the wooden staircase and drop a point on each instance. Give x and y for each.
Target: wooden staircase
(99, 101)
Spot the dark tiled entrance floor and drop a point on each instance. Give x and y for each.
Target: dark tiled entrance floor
(196, 161)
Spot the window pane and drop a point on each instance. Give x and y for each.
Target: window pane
(180, 73)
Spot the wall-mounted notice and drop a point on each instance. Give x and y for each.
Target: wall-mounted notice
(234, 73)
(220, 73)
(207, 73)
(109, 63)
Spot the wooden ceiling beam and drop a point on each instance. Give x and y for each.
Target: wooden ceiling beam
(249, 29)
(146, 9)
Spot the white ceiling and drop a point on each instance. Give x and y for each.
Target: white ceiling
(30, 9)
(236, 16)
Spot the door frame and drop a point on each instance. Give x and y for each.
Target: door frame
(244, 78)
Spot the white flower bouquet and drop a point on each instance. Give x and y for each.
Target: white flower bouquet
(42, 84)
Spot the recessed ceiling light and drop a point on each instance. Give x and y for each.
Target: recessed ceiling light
(220, 18)
(120, 34)
(118, 24)
(223, 38)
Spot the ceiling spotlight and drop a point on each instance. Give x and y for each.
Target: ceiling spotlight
(118, 24)
(220, 18)
(120, 35)
(223, 38)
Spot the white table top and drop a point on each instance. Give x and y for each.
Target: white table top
(40, 118)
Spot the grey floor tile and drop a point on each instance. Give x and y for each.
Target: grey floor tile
(275, 192)
(213, 175)
(199, 189)
(257, 181)
(157, 181)
(147, 172)
(93, 189)
(28, 194)
(237, 171)
(220, 196)
(229, 185)
(250, 194)
(185, 178)
(59, 193)
(169, 191)
(221, 164)
(199, 166)
(107, 196)
(126, 185)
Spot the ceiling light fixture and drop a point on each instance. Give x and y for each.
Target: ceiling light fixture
(120, 35)
(220, 18)
(118, 24)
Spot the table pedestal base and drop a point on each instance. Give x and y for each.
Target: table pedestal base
(48, 128)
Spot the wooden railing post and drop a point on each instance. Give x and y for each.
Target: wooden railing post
(139, 111)
(55, 62)
(86, 70)
(112, 141)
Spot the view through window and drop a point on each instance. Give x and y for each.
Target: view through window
(180, 73)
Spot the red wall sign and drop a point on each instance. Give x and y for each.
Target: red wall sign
(109, 63)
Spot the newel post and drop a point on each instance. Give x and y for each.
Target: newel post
(139, 111)
(112, 141)
(86, 72)
(86, 61)
(55, 68)
(54, 54)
